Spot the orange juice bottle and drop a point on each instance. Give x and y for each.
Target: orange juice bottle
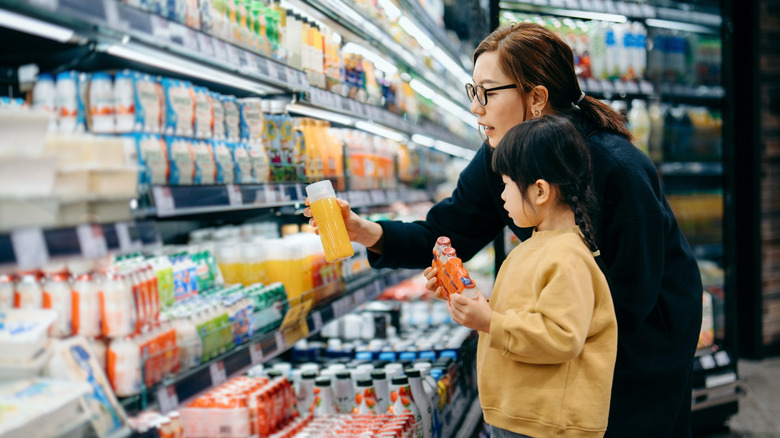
(327, 213)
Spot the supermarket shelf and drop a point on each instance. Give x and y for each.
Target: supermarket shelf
(29, 248)
(350, 112)
(694, 169)
(471, 421)
(178, 201)
(618, 11)
(691, 94)
(262, 347)
(153, 43)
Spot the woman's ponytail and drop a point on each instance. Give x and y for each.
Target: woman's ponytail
(603, 116)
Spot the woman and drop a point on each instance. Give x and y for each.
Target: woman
(522, 72)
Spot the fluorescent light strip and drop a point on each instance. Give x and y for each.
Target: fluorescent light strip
(380, 62)
(391, 10)
(452, 149)
(176, 64)
(410, 28)
(451, 65)
(423, 140)
(320, 114)
(676, 25)
(34, 26)
(523, 7)
(443, 102)
(381, 131)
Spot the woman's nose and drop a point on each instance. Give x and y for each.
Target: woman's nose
(476, 107)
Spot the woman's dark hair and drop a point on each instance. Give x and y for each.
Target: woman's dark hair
(532, 55)
(551, 148)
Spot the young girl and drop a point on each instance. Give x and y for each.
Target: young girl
(548, 336)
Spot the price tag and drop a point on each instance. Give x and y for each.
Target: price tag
(622, 8)
(606, 87)
(163, 201)
(631, 87)
(233, 57)
(299, 192)
(220, 50)
(218, 373)
(316, 318)
(30, 249)
(46, 4)
(177, 33)
(256, 353)
(619, 87)
(167, 399)
(91, 240)
(557, 3)
(722, 358)
(707, 362)
(272, 69)
(720, 379)
(281, 345)
(205, 45)
(262, 65)
(127, 242)
(648, 10)
(586, 5)
(634, 10)
(281, 193)
(598, 5)
(160, 30)
(281, 74)
(191, 40)
(572, 4)
(645, 87)
(234, 195)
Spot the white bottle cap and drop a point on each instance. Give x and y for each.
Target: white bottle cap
(320, 190)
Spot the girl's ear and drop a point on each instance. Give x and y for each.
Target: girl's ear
(541, 191)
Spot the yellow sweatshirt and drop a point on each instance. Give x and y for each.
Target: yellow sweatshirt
(545, 369)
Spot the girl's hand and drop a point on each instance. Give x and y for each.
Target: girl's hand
(431, 285)
(472, 313)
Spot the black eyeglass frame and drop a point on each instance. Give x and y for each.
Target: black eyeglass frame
(472, 91)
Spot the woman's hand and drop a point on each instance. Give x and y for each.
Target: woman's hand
(431, 285)
(359, 230)
(472, 313)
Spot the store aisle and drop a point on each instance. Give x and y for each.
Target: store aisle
(758, 409)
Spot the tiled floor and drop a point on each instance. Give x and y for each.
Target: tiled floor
(759, 409)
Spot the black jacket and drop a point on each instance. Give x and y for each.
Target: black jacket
(654, 278)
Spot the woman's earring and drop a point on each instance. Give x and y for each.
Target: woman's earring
(537, 113)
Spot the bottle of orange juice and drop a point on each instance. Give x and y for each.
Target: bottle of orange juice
(326, 211)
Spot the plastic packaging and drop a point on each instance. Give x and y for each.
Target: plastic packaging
(327, 213)
(451, 276)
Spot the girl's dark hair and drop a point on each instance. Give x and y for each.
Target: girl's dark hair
(532, 55)
(551, 148)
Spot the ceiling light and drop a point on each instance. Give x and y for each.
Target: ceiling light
(176, 64)
(381, 131)
(34, 26)
(319, 114)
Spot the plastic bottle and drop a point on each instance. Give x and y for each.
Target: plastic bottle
(382, 390)
(7, 283)
(67, 101)
(421, 399)
(117, 307)
(324, 404)
(401, 402)
(431, 388)
(45, 99)
(326, 211)
(305, 394)
(124, 101)
(639, 125)
(28, 294)
(656, 139)
(343, 391)
(102, 103)
(365, 398)
(176, 425)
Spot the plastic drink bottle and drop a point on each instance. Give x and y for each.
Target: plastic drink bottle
(365, 398)
(401, 402)
(324, 404)
(327, 213)
(422, 400)
(343, 391)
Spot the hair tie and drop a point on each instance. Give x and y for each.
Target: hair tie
(582, 96)
(596, 253)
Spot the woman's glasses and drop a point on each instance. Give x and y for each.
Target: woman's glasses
(481, 92)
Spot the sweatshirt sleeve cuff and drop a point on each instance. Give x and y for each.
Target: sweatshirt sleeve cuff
(497, 332)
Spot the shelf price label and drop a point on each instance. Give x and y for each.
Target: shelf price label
(127, 234)
(91, 241)
(220, 50)
(234, 195)
(218, 373)
(30, 249)
(247, 61)
(280, 343)
(707, 361)
(205, 45)
(167, 399)
(316, 318)
(256, 353)
(272, 69)
(233, 58)
(163, 201)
